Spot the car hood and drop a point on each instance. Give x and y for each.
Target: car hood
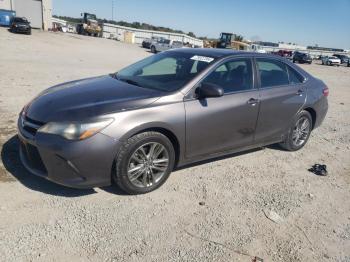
(21, 23)
(88, 98)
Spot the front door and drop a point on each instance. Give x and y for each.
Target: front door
(228, 122)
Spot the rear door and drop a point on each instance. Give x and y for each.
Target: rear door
(228, 122)
(282, 94)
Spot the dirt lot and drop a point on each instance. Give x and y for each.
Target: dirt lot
(42, 221)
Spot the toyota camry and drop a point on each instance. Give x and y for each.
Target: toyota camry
(178, 107)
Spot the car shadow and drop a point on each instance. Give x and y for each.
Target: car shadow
(10, 159)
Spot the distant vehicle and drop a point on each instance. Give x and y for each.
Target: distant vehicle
(331, 60)
(284, 53)
(149, 41)
(256, 48)
(70, 29)
(6, 17)
(89, 25)
(165, 44)
(344, 59)
(20, 25)
(302, 58)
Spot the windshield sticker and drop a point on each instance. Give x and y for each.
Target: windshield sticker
(202, 58)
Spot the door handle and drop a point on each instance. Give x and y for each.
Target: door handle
(300, 92)
(253, 101)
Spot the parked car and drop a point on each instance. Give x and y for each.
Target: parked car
(344, 59)
(146, 43)
(320, 57)
(284, 53)
(331, 60)
(165, 44)
(302, 58)
(168, 110)
(20, 25)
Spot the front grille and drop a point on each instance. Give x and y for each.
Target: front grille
(33, 158)
(31, 125)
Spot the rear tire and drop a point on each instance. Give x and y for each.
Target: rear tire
(299, 132)
(151, 169)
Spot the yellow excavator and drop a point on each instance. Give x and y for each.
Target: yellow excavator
(89, 26)
(226, 41)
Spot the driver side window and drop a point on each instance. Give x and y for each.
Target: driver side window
(233, 76)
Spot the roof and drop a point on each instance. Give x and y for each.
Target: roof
(212, 52)
(219, 53)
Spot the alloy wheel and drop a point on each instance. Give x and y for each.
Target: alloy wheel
(148, 164)
(301, 131)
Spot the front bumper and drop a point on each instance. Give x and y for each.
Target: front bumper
(78, 164)
(21, 29)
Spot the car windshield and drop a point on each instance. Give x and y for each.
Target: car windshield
(167, 71)
(90, 17)
(20, 20)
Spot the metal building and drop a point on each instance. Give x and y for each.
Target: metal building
(118, 32)
(38, 12)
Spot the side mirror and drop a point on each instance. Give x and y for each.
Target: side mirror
(207, 90)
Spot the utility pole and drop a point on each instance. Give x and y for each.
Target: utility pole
(113, 10)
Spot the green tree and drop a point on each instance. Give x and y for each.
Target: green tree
(191, 34)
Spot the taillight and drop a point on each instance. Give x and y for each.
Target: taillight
(325, 91)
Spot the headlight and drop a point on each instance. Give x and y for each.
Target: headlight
(75, 131)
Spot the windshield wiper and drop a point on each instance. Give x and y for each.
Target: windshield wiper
(131, 82)
(114, 75)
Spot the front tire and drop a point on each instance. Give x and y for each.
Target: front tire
(144, 163)
(299, 132)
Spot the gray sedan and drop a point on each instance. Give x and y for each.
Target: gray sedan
(168, 110)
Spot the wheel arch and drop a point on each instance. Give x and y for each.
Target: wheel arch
(164, 130)
(313, 115)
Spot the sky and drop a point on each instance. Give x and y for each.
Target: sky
(305, 22)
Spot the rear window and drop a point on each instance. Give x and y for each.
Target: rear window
(272, 73)
(294, 76)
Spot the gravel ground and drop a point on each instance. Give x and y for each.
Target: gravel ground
(213, 211)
